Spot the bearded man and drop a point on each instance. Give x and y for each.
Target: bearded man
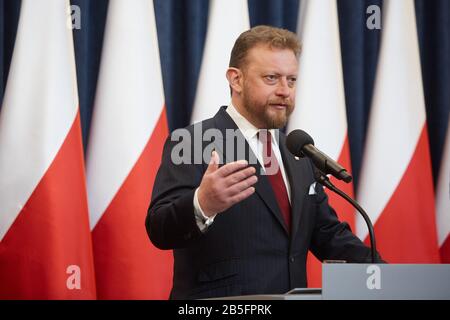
(242, 222)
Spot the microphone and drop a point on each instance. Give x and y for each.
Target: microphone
(300, 144)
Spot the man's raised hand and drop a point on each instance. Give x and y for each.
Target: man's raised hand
(225, 186)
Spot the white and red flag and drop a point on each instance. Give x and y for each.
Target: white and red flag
(320, 101)
(396, 186)
(443, 202)
(226, 21)
(45, 248)
(128, 130)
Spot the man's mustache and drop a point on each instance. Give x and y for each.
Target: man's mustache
(287, 102)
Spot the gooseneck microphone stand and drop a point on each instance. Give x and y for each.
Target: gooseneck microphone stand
(325, 181)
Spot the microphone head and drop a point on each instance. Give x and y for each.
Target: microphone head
(296, 140)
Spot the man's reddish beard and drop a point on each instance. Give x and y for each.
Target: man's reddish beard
(265, 115)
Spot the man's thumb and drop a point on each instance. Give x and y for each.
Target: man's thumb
(213, 163)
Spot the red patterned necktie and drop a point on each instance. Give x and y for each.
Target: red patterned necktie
(275, 177)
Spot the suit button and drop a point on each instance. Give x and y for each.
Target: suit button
(292, 259)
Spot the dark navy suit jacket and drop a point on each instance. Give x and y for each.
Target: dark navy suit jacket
(247, 250)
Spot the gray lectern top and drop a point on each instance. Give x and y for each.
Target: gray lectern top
(386, 281)
(347, 281)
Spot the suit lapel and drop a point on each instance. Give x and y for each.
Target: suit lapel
(263, 188)
(296, 171)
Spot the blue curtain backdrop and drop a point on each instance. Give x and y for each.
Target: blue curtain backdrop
(182, 28)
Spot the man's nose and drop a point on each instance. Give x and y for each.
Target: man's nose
(283, 88)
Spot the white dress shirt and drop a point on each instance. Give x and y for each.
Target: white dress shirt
(250, 133)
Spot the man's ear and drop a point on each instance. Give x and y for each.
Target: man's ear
(235, 80)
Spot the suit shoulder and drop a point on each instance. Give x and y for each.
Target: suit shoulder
(198, 126)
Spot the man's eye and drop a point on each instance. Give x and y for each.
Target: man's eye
(271, 77)
(292, 80)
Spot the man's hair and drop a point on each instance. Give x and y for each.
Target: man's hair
(262, 35)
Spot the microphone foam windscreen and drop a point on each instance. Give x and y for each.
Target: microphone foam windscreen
(295, 141)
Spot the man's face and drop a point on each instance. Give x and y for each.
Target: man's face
(268, 91)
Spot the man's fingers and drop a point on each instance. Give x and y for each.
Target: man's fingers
(242, 195)
(213, 163)
(241, 186)
(231, 167)
(239, 176)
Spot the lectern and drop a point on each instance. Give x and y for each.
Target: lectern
(347, 281)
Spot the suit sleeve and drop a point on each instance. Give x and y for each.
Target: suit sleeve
(334, 240)
(170, 221)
